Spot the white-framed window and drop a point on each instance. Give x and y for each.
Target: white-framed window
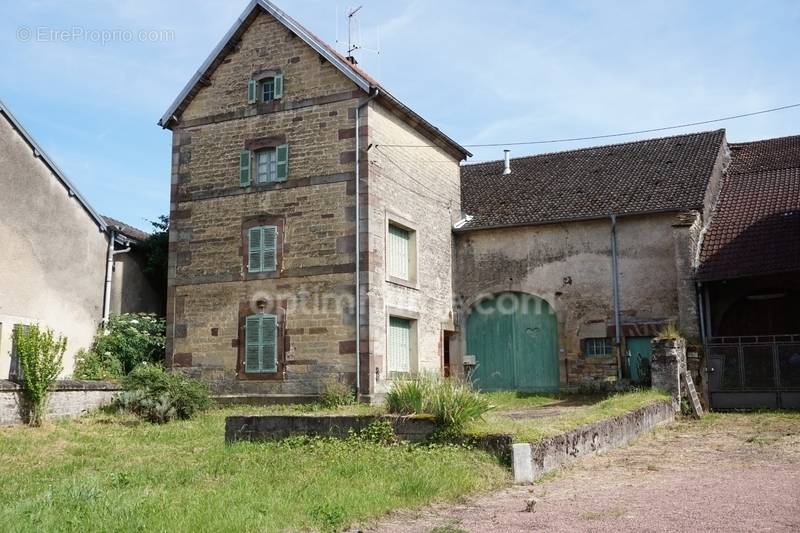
(400, 353)
(597, 347)
(268, 90)
(401, 253)
(266, 165)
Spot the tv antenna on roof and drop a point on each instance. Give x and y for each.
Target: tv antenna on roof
(354, 36)
(350, 46)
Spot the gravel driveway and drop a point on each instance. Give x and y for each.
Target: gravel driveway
(728, 472)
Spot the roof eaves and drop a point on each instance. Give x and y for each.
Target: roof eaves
(470, 228)
(41, 154)
(284, 19)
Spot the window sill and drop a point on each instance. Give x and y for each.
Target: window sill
(403, 282)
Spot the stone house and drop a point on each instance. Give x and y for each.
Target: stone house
(278, 185)
(56, 251)
(299, 182)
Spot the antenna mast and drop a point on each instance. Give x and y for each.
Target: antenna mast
(350, 46)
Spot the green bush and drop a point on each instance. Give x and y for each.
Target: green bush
(160, 396)
(41, 357)
(126, 341)
(336, 394)
(451, 403)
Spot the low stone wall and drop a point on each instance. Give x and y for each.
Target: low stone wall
(69, 398)
(276, 427)
(532, 460)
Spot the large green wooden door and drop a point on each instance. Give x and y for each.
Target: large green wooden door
(514, 340)
(639, 350)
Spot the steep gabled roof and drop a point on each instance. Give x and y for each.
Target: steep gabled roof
(755, 225)
(655, 175)
(41, 154)
(362, 80)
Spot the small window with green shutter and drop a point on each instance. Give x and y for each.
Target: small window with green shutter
(400, 253)
(282, 157)
(399, 349)
(261, 344)
(252, 87)
(245, 158)
(262, 246)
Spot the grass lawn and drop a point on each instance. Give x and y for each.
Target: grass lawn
(509, 415)
(114, 473)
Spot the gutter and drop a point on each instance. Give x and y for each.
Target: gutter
(361, 104)
(615, 285)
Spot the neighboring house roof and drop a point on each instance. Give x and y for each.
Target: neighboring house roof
(41, 154)
(128, 231)
(355, 74)
(656, 175)
(755, 225)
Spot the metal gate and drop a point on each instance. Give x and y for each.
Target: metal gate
(754, 372)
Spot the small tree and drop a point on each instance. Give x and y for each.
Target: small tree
(41, 360)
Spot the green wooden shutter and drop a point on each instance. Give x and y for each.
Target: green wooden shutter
(244, 168)
(398, 251)
(252, 334)
(283, 161)
(278, 86)
(254, 250)
(269, 343)
(399, 349)
(269, 247)
(252, 85)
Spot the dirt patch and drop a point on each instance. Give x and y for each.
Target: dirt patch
(729, 472)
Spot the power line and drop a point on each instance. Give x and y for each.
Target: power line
(609, 135)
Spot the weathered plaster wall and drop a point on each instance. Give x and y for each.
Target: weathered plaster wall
(131, 290)
(416, 187)
(569, 265)
(52, 264)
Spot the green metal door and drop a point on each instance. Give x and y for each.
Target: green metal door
(514, 339)
(639, 351)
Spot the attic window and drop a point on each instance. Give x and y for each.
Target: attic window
(265, 88)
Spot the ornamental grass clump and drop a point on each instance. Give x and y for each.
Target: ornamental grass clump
(451, 403)
(41, 360)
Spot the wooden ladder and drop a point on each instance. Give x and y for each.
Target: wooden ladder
(694, 398)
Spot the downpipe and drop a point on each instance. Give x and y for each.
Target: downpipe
(615, 285)
(109, 274)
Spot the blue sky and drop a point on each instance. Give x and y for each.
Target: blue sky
(483, 72)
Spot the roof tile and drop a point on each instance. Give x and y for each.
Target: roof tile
(653, 175)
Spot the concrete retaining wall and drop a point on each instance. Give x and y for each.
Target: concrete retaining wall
(70, 398)
(532, 460)
(276, 427)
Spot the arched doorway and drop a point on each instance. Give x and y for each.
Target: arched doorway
(514, 339)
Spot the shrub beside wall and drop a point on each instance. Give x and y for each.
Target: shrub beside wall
(127, 341)
(41, 360)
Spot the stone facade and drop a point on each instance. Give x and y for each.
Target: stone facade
(68, 399)
(313, 290)
(569, 266)
(418, 188)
